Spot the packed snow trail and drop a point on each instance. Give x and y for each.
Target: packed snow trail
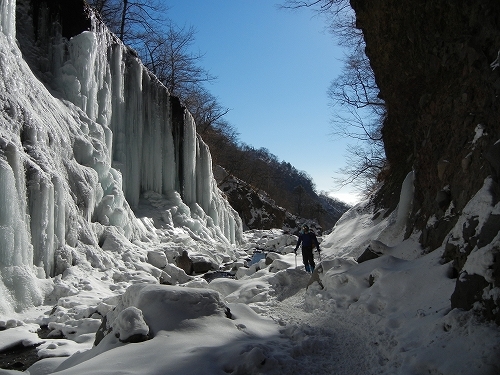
(322, 341)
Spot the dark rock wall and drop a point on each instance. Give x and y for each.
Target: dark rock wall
(72, 15)
(432, 62)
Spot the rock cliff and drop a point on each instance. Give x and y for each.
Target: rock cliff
(437, 67)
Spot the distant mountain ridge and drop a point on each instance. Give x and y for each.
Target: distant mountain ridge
(258, 210)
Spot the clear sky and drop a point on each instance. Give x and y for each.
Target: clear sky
(273, 69)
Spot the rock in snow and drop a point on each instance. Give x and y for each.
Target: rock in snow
(105, 185)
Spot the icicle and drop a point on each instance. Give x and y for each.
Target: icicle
(59, 213)
(18, 288)
(15, 248)
(405, 200)
(41, 209)
(189, 160)
(153, 136)
(204, 176)
(117, 150)
(133, 131)
(169, 167)
(8, 18)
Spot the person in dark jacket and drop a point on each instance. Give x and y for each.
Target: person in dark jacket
(307, 239)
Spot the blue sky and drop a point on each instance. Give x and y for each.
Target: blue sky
(273, 69)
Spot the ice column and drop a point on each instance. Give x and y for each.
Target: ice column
(158, 159)
(204, 176)
(133, 126)
(153, 135)
(117, 66)
(18, 288)
(189, 160)
(90, 68)
(41, 208)
(169, 167)
(8, 18)
(405, 200)
(14, 236)
(59, 213)
(127, 120)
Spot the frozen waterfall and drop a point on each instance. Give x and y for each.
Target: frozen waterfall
(85, 131)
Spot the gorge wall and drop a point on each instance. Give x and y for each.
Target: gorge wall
(437, 65)
(85, 132)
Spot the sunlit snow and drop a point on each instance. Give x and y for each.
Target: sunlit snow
(95, 211)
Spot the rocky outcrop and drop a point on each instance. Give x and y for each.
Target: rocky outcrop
(256, 209)
(437, 66)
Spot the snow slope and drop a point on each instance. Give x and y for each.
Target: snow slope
(390, 315)
(78, 261)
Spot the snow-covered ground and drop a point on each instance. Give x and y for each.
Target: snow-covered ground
(77, 260)
(390, 315)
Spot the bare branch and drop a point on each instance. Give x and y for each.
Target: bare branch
(354, 96)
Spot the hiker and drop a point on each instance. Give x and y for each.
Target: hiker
(309, 241)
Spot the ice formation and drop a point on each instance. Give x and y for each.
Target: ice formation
(80, 143)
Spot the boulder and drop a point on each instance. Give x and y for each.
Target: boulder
(157, 259)
(172, 275)
(184, 262)
(129, 326)
(202, 266)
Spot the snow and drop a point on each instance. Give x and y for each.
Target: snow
(390, 315)
(495, 64)
(479, 132)
(84, 248)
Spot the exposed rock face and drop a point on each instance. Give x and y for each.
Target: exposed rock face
(257, 212)
(256, 209)
(434, 63)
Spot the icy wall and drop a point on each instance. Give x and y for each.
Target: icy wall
(85, 130)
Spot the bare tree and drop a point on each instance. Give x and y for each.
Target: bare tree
(206, 110)
(327, 6)
(108, 11)
(356, 86)
(165, 51)
(358, 111)
(364, 163)
(169, 57)
(222, 139)
(130, 19)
